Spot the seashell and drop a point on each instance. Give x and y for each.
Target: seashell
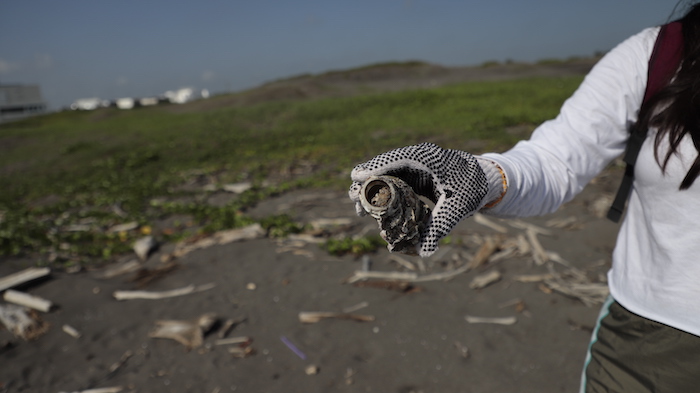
(401, 214)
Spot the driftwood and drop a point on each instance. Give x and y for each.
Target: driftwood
(533, 277)
(241, 352)
(27, 300)
(130, 295)
(406, 277)
(253, 231)
(22, 277)
(444, 275)
(491, 244)
(22, 322)
(113, 389)
(570, 222)
(234, 340)
(316, 316)
(403, 262)
(363, 275)
(356, 307)
(145, 276)
(123, 227)
(188, 333)
(575, 283)
(486, 279)
(121, 362)
(531, 227)
(120, 269)
(71, 331)
(496, 321)
(481, 219)
(539, 254)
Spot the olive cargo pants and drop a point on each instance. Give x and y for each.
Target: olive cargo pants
(632, 354)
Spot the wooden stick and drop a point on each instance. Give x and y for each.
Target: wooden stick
(484, 280)
(129, 295)
(114, 389)
(496, 321)
(27, 300)
(24, 276)
(315, 316)
(123, 268)
(71, 331)
(485, 251)
(443, 276)
(533, 277)
(363, 275)
(526, 226)
(403, 262)
(233, 340)
(356, 307)
(539, 254)
(481, 219)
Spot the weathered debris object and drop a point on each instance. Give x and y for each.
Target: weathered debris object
(312, 369)
(129, 226)
(401, 215)
(237, 188)
(316, 316)
(241, 352)
(150, 295)
(234, 341)
(144, 246)
(112, 389)
(22, 322)
(25, 275)
(253, 231)
(188, 333)
(484, 280)
(495, 321)
(120, 269)
(27, 300)
(71, 331)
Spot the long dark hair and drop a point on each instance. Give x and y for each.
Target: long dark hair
(675, 109)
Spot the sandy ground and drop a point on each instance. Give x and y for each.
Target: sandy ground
(419, 340)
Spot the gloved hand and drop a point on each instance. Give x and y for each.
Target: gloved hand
(455, 181)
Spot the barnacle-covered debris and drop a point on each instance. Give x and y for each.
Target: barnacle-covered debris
(401, 215)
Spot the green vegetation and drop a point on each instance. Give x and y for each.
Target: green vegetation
(108, 167)
(357, 247)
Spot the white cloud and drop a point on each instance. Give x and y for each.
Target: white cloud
(208, 75)
(7, 66)
(122, 80)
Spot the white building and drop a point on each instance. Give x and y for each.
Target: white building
(20, 101)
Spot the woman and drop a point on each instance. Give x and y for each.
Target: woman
(648, 336)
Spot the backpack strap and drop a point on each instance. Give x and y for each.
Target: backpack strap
(663, 64)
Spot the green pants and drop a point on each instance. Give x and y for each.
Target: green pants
(632, 354)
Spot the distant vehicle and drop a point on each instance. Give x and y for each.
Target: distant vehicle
(180, 96)
(148, 101)
(86, 104)
(125, 103)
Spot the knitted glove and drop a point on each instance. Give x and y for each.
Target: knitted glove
(457, 182)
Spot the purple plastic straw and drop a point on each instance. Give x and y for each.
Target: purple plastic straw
(293, 347)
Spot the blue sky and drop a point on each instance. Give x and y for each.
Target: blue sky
(111, 49)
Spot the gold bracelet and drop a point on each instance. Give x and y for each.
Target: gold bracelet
(504, 182)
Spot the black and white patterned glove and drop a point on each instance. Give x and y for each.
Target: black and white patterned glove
(455, 181)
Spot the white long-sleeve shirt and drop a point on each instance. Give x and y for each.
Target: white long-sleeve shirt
(656, 261)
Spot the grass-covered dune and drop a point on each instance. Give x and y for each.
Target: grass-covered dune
(107, 167)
